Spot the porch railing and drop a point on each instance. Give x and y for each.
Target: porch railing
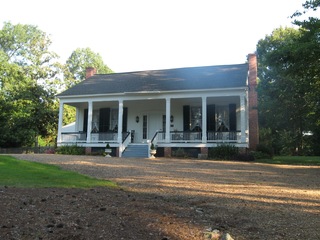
(160, 137)
(232, 136)
(74, 137)
(190, 137)
(81, 137)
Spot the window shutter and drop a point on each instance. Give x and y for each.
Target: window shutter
(186, 118)
(85, 120)
(211, 118)
(232, 117)
(104, 120)
(125, 119)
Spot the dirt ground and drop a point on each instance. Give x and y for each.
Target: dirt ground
(167, 199)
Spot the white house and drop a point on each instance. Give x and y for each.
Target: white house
(192, 108)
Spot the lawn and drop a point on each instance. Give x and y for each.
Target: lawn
(293, 160)
(19, 173)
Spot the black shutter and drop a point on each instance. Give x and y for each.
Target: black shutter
(104, 120)
(211, 118)
(85, 120)
(125, 119)
(232, 117)
(186, 118)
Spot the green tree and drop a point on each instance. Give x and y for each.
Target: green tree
(75, 71)
(289, 88)
(28, 77)
(77, 63)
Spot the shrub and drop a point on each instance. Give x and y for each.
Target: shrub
(71, 150)
(260, 155)
(49, 151)
(180, 153)
(224, 151)
(264, 149)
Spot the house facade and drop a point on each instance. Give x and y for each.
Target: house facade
(191, 108)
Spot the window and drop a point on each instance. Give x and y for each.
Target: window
(196, 119)
(222, 118)
(144, 127)
(114, 119)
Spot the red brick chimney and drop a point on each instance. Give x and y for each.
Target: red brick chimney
(90, 71)
(253, 102)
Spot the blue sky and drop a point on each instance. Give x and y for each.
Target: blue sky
(154, 34)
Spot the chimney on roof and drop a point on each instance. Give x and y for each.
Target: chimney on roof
(90, 71)
(253, 102)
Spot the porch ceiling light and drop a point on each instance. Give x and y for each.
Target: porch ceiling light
(137, 119)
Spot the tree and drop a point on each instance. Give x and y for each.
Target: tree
(77, 63)
(289, 88)
(28, 73)
(75, 71)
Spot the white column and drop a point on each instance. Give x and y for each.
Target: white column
(243, 118)
(60, 122)
(76, 125)
(168, 114)
(120, 123)
(89, 121)
(204, 119)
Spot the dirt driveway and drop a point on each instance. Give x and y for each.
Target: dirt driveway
(184, 198)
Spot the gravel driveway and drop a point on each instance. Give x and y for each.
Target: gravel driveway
(278, 201)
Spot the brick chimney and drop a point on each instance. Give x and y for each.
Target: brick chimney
(253, 102)
(90, 71)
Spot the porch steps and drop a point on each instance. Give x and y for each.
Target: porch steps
(136, 151)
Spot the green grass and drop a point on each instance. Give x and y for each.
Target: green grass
(19, 173)
(293, 160)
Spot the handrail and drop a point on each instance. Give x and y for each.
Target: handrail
(154, 136)
(126, 136)
(125, 143)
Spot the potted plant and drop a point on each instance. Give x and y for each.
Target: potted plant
(153, 151)
(108, 150)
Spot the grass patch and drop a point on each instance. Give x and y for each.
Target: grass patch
(19, 173)
(293, 160)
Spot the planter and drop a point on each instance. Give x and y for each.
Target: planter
(153, 152)
(108, 151)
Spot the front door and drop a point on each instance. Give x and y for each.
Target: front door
(155, 124)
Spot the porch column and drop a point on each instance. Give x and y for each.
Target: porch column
(120, 123)
(89, 121)
(76, 126)
(168, 112)
(204, 119)
(60, 122)
(243, 118)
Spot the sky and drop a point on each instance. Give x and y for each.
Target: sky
(134, 35)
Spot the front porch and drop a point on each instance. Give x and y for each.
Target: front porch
(198, 121)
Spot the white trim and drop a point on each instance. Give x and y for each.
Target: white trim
(60, 121)
(168, 114)
(171, 94)
(204, 119)
(120, 123)
(89, 126)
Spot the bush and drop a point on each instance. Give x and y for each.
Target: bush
(180, 153)
(260, 155)
(224, 151)
(49, 151)
(262, 152)
(71, 150)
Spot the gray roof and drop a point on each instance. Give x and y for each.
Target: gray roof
(179, 79)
